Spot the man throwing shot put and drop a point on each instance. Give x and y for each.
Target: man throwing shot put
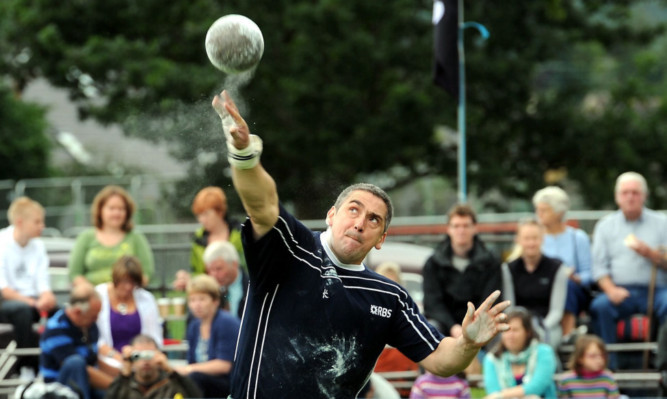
(316, 318)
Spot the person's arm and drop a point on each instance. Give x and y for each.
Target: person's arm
(479, 327)
(435, 306)
(255, 186)
(46, 302)
(212, 367)
(557, 299)
(75, 264)
(41, 279)
(11, 294)
(144, 254)
(150, 316)
(493, 276)
(98, 378)
(583, 257)
(544, 373)
(508, 283)
(601, 262)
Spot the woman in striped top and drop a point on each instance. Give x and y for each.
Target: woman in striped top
(588, 376)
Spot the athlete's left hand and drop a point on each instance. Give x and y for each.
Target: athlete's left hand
(481, 325)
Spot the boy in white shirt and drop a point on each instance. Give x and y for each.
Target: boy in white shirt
(24, 274)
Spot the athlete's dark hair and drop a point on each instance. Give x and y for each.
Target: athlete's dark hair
(373, 189)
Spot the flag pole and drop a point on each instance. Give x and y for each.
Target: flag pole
(461, 110)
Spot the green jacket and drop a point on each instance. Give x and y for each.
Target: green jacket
(199, 242)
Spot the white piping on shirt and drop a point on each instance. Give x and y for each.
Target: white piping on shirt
(254, 349)
(261, 351)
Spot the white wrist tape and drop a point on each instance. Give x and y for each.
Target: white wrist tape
(246, 158)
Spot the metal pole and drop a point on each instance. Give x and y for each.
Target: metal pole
(461, 111)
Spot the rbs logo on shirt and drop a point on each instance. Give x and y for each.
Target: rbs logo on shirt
(380, 311)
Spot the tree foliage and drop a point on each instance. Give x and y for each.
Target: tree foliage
(24, 151)
(344, 88)
(567, 86)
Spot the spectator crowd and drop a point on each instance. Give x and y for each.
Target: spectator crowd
(107, 340)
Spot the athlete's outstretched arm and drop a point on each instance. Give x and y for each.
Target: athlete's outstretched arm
(479, 326)
(254, 185)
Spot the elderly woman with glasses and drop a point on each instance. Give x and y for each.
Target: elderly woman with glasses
(127, 310)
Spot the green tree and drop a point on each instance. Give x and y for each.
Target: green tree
(24, 152)
(567, 85)
(344, 88)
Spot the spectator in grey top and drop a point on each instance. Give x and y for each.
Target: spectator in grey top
(625, 244)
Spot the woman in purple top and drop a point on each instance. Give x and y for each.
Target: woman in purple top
(127, 310)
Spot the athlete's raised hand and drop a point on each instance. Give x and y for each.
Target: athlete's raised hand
(481, 325)
(233, 123)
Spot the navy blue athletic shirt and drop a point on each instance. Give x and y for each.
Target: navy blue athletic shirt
(314, 327)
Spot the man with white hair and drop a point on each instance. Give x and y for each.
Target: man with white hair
(626, 244)
(222, 263)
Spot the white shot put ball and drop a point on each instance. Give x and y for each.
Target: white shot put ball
(234, 44)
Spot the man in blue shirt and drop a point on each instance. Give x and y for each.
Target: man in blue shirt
(69, 344)
(625, 246)
(316, 318)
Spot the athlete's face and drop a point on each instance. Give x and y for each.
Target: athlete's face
(357, 226)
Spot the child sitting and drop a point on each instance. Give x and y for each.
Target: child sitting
(588, 376)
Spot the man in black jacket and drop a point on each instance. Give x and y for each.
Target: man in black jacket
(461, 270)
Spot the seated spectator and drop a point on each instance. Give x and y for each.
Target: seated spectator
(127, 310)
(626, 246)
(431, 386)
(210, 208)
(536, 282)
(391, 359)
(222, 262)
(69, 345)
(211, 336)
(520, 366)
(112, 236)
(571, 246)
(24, 277)
(588, 376)
(461, 270)
(146, 374)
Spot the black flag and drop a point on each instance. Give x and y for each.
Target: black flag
(446, 21)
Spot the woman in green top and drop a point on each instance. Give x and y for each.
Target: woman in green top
(210, 208)
(96, 249)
